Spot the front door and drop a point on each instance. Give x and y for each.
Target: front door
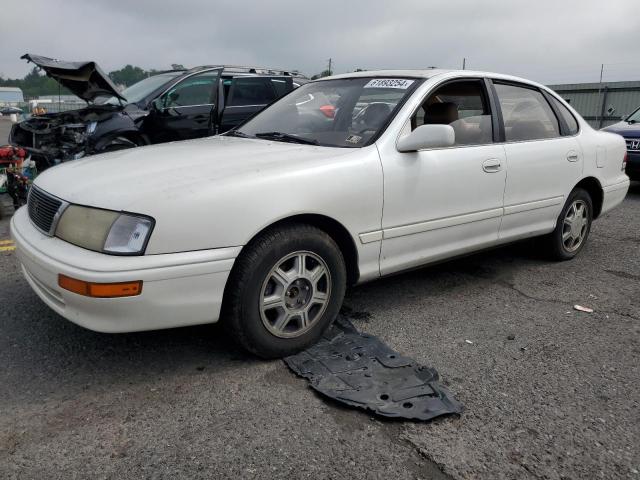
(446, 201)
(186, 110)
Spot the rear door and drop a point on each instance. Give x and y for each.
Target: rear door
(248, 95)
(544, 160)
(186, 110)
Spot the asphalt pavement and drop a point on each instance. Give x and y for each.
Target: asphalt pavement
(5, 127)
(549, 392)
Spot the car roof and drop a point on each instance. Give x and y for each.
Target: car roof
(430, 73)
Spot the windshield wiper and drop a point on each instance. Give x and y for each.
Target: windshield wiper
(237, 133)
(286, 137)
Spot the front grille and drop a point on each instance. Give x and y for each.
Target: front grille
(633, 144)
(42, 209)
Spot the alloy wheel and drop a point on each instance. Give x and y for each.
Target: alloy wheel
(295, 294)
(575, 225)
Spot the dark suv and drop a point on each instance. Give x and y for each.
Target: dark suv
(173, 105)
(629, 128)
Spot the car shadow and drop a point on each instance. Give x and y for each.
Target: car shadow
(38, 343)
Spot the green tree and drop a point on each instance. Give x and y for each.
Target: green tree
(35, 84)
(128, 75)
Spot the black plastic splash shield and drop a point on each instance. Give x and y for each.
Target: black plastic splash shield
(359, 370)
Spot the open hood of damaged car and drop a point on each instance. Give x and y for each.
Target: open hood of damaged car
(84, 79)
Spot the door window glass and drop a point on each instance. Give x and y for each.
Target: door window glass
(195, 90)
(281, 86)
(569, 119)
(464, 106)
(251, 91)
(526, 114)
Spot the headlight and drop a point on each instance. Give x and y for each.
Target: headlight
(91, 127)
(104, 230)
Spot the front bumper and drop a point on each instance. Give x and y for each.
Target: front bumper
(178, 289)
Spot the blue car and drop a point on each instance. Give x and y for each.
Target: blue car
(629, 128)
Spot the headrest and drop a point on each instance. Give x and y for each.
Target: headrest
(441, 113)
(376, 113)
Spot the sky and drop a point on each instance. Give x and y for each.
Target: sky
(550, 41)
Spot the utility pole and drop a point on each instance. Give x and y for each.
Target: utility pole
(330, 72)
(599, 120)
(464, 63)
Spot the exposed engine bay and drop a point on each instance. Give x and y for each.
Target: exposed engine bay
(54, 138)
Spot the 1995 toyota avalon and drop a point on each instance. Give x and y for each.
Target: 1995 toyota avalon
(344, 180)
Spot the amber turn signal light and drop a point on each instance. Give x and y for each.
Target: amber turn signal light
(100, 290)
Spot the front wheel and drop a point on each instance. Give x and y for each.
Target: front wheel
(285, 290)
(572, 227)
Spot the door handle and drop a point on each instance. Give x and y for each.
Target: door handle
(572, 156)
(492, 165)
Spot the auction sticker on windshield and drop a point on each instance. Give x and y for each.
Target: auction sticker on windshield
(389, 83)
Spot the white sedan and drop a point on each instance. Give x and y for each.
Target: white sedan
(265, 226)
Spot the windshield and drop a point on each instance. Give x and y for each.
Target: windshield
(634, 117)
(139, 91)
(337, 113)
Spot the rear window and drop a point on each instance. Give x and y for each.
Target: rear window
(569, 119)
(280, 87)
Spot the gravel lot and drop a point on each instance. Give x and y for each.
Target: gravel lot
(549, 392)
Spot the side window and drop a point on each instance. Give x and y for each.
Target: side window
(526, 114)
(195, 90)
(569, 119)
(464, 106)
(247, 91)
(281, 86)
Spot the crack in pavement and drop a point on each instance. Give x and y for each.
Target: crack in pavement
(569, 305)
(396, 433)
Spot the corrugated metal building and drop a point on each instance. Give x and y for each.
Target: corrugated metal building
(10, 95)
(601, 104)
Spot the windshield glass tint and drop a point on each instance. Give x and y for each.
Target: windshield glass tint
(337, 113)
(138, 91)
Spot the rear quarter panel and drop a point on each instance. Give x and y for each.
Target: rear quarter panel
(603, 155)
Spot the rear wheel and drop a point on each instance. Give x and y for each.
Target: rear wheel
(285, 290)
(572, 227)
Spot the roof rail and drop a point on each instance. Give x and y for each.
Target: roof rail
(250, 69)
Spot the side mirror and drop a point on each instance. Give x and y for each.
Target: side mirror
(427, 136)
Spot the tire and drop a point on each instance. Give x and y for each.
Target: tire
(279, 276)
(563, 243)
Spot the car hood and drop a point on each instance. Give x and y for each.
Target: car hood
(84, 79)
(624, 128)
(138, 179)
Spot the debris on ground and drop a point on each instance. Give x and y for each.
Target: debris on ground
(580, 308)
(469, 342)
(359, 370)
